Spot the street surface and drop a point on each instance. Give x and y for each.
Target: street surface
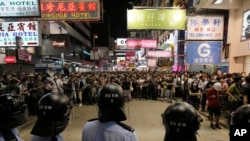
(144, 116)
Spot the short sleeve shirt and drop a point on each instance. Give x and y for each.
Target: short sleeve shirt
(108, 131)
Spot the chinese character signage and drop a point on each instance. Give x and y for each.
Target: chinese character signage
(156, 19)
(19, 8)
(27, 30)
(205, 28)
(70, 10)
(202, 53)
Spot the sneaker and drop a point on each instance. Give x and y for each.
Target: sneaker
(217, 126)
(80, 105)
(212, 126)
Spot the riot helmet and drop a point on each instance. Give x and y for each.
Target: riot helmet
(53, 115)
(111, 101)
(11, 111)
(181, 122)
(241, 116)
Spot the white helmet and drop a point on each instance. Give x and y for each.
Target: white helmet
(217, 86)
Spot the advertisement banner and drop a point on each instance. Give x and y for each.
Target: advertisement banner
(70, 10)
(159, 53)
(156, 19)
(14, 8)
(27, 30)
(141, 43)
(202, 53)
(205, 28)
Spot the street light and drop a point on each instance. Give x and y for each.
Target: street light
(94, 38)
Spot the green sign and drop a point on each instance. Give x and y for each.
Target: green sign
(156, 19)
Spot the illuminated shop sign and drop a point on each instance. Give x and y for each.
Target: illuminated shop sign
(156, 19)
(205, 28)
(27, 30)
(159, 53)
(59, 44)
(70, 10)
(203, 52)
(19, 8)
(121, 41)
(141, 43)
(10, 59)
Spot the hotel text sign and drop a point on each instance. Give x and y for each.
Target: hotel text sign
(19, 8)
(70, 10)
(27, 30)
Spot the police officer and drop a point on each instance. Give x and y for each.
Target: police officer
(181, 122)
(11, 117)
(240, 119)
(108, 126)
(53, 115)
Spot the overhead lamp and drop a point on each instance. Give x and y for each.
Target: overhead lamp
(217, 1)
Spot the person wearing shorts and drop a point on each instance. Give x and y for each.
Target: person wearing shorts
(214, 108)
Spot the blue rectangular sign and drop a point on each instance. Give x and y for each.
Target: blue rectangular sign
(203, 52)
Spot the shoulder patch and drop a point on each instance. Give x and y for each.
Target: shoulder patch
(93, 119)
(125, 126)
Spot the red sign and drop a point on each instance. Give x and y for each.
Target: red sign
(70, 9)
(130, 53)
(23, 55)
(10, 59)
(141, 43)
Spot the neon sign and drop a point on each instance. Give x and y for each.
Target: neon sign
(70, 9)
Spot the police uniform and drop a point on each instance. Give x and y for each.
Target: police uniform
(107, 131)
(14, 132)
(40, 138)
(11, 117)
(108, 126)
(53, 115)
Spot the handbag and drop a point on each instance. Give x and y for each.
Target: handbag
(131, 88)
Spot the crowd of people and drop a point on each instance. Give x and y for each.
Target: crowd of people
(110, 90)
(82, 88)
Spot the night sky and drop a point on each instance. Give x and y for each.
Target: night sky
(115, 11)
